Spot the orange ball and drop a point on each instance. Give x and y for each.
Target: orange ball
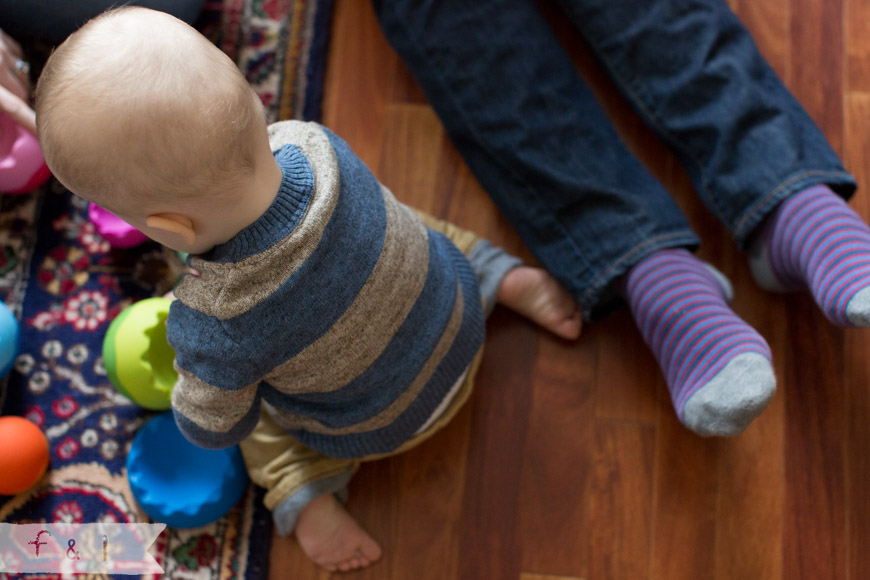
(23, 454)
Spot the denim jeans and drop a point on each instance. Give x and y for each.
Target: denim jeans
(53, 20)
(544, 150)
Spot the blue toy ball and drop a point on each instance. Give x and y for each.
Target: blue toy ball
(10, 339)
(179, 484)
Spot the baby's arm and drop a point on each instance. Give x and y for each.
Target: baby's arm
(215, 400)
(213, 417)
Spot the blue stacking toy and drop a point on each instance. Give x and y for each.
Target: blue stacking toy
(179, 484)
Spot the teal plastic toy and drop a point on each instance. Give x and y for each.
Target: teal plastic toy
(137, 356)
(10, 340)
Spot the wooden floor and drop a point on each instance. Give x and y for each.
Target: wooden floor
(569, 461)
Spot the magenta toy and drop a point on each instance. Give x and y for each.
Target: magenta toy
(113, 229)
(22, 167)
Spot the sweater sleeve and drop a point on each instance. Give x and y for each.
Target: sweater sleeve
(215, 400)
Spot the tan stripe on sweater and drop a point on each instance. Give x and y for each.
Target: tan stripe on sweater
(227, 290)
(362, 333)
(397, 407)
(210, 407)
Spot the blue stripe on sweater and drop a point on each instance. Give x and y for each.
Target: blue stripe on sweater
(458, 358)
(310, 301)
(400, 362)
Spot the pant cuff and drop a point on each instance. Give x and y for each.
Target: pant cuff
(287, 512)
(490, 264)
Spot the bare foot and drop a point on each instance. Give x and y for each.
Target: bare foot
(536, 295)
(332, 538)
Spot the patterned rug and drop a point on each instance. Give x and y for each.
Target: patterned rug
(66, 284)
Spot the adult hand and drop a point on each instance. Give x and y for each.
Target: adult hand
(15, 83)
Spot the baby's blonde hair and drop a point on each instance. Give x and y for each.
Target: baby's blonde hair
(137, 107)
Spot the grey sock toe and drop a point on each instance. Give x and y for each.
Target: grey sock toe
(759, 265)
(858, 308)
(738, 394)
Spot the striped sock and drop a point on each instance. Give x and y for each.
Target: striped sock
(815, 240)
(716, 366)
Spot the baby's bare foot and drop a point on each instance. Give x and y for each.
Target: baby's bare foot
(536, 295)
(332, 538)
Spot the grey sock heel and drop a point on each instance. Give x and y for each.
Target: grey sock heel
(759, 265)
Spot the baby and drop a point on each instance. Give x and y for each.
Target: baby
(327, 323)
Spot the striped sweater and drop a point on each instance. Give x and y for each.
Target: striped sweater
(337, 309)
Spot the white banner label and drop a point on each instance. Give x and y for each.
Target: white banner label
(78, 548)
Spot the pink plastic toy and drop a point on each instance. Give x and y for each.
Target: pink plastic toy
(113, 229)
(22, 167)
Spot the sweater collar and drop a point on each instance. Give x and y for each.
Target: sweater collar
(282, 216)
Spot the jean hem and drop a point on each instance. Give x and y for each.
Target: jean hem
(599, 297)
(840, 181)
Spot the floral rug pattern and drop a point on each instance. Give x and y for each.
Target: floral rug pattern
(66, 284)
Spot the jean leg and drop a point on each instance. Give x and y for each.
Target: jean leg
(692, 70)
(535, 137)
(53, 20)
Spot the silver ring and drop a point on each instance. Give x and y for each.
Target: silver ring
(22, 66)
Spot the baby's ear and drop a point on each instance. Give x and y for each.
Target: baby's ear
(175, 223)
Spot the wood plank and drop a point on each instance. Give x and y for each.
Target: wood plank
(626, 371)
(410, 160)
(751, 487)
(751, 466)
(857, 442)
(287, 560)
(557, 460)
(816, 53)
(621, 500)
(684, 502)
(469, 207)
(815, 521)
(856, 17)
(525, 576)
(431, 487)
(361, 74)
(375, 503)
(500, 421)
(769, 23)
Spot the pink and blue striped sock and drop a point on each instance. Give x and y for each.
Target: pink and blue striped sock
(716, 366)
(814, 240)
